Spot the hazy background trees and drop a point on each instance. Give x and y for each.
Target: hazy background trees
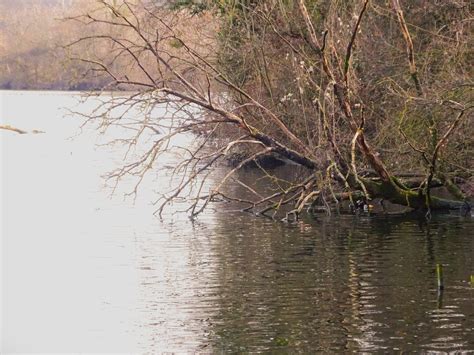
(32, 36)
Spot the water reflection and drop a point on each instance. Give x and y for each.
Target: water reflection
(83, 272)
(343, 283)
(174, 274)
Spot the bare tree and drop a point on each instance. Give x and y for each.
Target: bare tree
(170, 59)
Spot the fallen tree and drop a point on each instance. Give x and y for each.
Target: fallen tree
(187, 70)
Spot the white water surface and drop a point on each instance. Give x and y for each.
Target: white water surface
(75, 261)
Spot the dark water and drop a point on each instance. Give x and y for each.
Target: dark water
(333, 284)
(83, 272)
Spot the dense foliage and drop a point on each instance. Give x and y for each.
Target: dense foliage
(265, 49)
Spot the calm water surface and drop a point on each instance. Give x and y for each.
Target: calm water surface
(84, 271)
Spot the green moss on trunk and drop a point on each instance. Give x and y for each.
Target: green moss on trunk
(393, 192)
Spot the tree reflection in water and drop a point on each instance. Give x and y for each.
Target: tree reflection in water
(342, 283)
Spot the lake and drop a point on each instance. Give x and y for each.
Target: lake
(88, 271)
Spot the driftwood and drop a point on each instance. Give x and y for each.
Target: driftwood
(19, 131)
(13, 129)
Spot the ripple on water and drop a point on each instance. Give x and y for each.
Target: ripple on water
(229, 282)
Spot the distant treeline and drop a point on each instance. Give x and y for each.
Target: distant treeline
(43, 69)
(33, 45)
(32, 39)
